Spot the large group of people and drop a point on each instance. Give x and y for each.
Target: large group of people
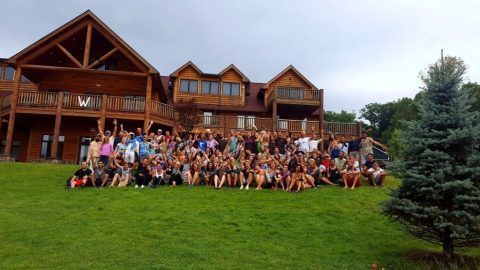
(258, 159)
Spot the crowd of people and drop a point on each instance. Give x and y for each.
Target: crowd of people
(259, 159)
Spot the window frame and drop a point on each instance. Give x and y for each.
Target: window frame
(230, 89)
(48, 144)
(210, 87)
(189, 81)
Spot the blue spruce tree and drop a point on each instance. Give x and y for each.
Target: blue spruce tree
(439, 198)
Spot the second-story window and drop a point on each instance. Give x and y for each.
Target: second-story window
(209, 87)
(188, 86)
(230, 89)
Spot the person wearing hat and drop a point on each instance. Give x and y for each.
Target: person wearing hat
(159, 135)
(132, 147)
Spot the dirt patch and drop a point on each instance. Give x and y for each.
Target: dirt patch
(437, 260)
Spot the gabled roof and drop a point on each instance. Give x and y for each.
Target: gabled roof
(87, 15)
(292, 68)
(184, 66)
(232, 66)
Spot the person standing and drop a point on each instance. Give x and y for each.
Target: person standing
(366, 146)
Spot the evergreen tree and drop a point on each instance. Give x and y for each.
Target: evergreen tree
(439, 198)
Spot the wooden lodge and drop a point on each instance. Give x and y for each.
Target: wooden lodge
(52, 92)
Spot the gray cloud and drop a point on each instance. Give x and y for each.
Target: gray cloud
(358, 51)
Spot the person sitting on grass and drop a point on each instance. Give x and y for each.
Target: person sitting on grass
(367, 166)
(341, 161)
(158, 177)
(81, 176)
(142, 175)
(176, 175)
(123, 176)
(193, 176)
(99, 175)
(377, 176)
(297, 178)
(351, 176)
(332, 173)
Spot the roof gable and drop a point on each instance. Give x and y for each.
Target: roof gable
(184, 66)
(73, 27)
(234, 68)
(294, 70)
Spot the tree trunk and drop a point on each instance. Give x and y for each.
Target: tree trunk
(448, 247)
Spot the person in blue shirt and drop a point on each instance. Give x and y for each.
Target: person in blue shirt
(202, 143)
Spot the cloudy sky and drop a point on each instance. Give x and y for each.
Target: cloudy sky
(358, 51)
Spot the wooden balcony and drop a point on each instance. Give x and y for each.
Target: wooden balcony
(89, 106)
(226, 122)
(295, 96)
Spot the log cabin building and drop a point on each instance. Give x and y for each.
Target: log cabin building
(52, 92)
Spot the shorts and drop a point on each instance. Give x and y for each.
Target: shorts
(104, 159)
(129, 157)
(78, 182)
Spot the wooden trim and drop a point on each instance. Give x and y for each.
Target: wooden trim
(2, 72)
(107, 72)
(13, 107)
(48, 46)
(321, 121)
(69, 55)
(274, 112)
(290, 67)
(56, 129)
(88, 42)
(103, 58)
(126, 53)
(148, 104)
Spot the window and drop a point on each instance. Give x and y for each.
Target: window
(9, 73)
(188, 86)
(231, 89)
(209, 87)
(245, 122)
(46, 146)
(15, 148)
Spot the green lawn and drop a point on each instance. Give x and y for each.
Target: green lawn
(45, 226)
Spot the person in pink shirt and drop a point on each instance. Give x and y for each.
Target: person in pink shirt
(105, 150)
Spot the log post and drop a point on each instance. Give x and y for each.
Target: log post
(274, 110)
(359, 129)
(13, 108)
(56, 129)
(88, 41)
(103, 112)
(148, 104)
(320, 121)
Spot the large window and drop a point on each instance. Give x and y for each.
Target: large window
(9, 73)
(46, 146)
(231, 89)
(188, 86)
(209, 87)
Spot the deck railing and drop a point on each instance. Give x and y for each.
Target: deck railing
(163, 110)
(298, 93)
(37, 99)
(81, 101)
(297, 125)
(340, 128)
(126, 104)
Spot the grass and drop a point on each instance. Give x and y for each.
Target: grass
(45, 226)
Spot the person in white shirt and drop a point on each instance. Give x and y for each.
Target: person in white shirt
(313, 143)
(377, 176)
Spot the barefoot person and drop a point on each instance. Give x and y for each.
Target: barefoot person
(81, 176)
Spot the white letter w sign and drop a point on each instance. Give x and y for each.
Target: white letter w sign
(83, 103)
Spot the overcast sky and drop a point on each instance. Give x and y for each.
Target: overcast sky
(358, 51)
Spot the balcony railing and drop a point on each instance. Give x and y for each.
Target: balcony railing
(81, 101)
(225, 122)
(297, 93)
(37, 99)
(126, 104)
(163, 110)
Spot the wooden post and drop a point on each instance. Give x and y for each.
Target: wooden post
(88, 41)
(103, 112)
(148, 104)
(274, 110)
(359, 129)
(320, 121)
(56, 129)
(13, 108)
